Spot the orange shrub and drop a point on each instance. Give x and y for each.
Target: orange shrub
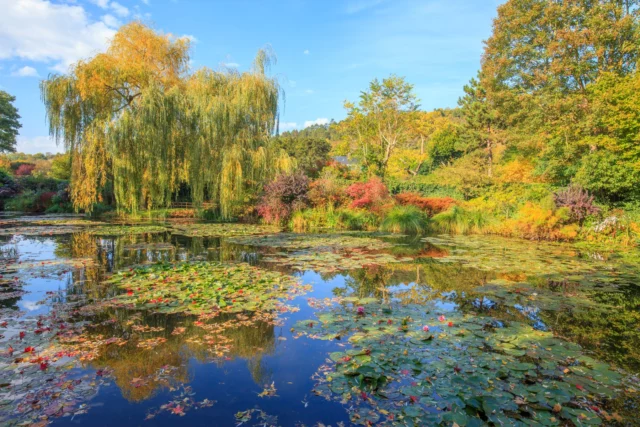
(326, 192)
(538, 223)
(432, 205)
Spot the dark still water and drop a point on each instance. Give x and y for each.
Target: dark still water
(224, 325)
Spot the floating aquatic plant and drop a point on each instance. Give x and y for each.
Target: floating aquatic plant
(475, 370)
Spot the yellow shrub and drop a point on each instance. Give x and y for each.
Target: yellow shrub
(516, 171)
(539, 223)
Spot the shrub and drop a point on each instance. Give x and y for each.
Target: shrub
(285, 195)
(326, 192)
(372, 194)
(579, 202)
(102, 210)
(8, 186)
(44, 201)
(423, 188)
(23, 202)
(406, 220)
(537, 222)
(25, 169)
(61, 202)
(60, 209)
(431, 205)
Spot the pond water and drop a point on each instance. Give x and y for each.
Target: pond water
(227, 324)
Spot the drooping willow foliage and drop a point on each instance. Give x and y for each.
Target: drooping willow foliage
(135, 118)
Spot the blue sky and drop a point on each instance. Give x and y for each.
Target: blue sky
(328, 51)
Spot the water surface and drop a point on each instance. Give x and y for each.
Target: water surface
(304, 366)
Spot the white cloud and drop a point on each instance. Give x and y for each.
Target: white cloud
(115, 7)
(110, 20)
(59, 34)
(38, 144)
(119, 9)
(230, 64)
(145, 2)
(306, 52)
(318, 121)
(286, 126)
(25, 71)
(101, 3)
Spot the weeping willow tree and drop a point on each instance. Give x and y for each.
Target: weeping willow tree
(135, 118)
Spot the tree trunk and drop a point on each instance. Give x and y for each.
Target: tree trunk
(489, 153)
(489, 158)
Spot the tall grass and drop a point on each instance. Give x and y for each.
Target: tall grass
(458, 220)
(406, 220)
(358, 219)
(330, 218)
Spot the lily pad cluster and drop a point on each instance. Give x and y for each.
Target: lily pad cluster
(124, 230)
(31, 230)
(412, 365)
(221, 230)
(93, 228)
(293, 241)
(202, 287)
(324, 253)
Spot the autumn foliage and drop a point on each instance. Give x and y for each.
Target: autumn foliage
(25, 169)
(285, 195)
(326, 192)
(431, 205)
(372, 194)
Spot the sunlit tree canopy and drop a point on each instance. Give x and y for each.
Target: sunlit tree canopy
(135, 117)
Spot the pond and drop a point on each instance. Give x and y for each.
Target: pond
(186, 323)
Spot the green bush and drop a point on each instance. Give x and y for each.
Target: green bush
(100, 209)
(424, 189)
(24, 202)
(406, 220)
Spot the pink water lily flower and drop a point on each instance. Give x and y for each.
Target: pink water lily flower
(360, 310)
(442, 318)
(425, 328)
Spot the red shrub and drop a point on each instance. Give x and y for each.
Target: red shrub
(43, 201)
(432, 205)
(283, 196)
(372, 194)
(25, 169)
